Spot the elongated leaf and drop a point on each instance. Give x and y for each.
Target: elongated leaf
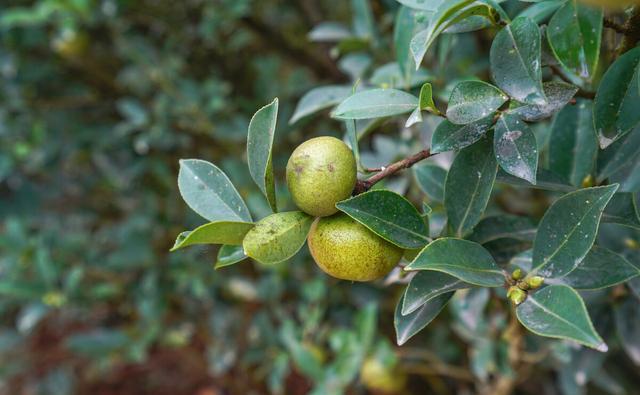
(503, 227)
(277, 237)
(516, 148)
(468, 186)
(568, 230)
(619, 154)
(615, 109)
(376, 103)
(319, 99)
(545, 179)
(558, 95)
(601, 268)
(390, 75)
(463, 259)
(541, 11)
(388, 215)
(220, 232)
(229, 255)
(573, 150)
(627, 316)
(431, 179)
(210, 193)
(516, 61)
(262, 128)
(574, 36)
(409, 325)
(472, 101)
(408, 22)
(425, 5)
(558, 311)
(450, 137)
(427, 285)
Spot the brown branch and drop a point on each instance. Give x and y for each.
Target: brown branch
(632, 32)
(613, 25)
(365, 185)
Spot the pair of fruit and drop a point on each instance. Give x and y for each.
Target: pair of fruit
(321, 172)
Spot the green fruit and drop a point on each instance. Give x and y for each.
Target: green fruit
(320, 173)
(377, 377)
(345, 249)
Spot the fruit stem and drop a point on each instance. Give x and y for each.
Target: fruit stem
(386, 171)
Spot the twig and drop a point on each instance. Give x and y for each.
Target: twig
(611, 24)
(631, 32)
(365, 185)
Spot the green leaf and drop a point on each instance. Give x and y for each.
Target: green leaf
(210, 193)
(619, 154)
(262, 128)
(541, 11)
(391, 75)
(388, 215)
(472, 101)
(352, 138)
(468, 186)
(426, 99)
(558, 95)
(623, 210)
(558, 311)
(449, 136)
(545, 179)
(516, 148)
(409, 325)
(220, 232)
(573, 150)
(414, 117)
(408, 22)
(503, 227)
(516, 61)
(427, 285)
(319, 99)
(329, 32)
(615, 109)
(463, 259)
(574, 36)
(376, 103)
(277, 237)
(628, 326)
(568, 229)
(425, 5)
(601, 268)
(431, 179)
(229, 255)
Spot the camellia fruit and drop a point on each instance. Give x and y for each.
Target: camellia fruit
(321, 172)
(346, 249)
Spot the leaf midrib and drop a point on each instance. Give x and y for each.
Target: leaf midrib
(571, 324)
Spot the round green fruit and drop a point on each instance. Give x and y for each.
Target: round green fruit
(379, 378)
(345, 249)
(320, 173)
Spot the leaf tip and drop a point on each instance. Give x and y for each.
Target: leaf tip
(602, 347)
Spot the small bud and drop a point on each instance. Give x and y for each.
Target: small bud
(516, 295)
(523, 285)
(632, 244)
(535, 282)
(587, 181)
(517, 274)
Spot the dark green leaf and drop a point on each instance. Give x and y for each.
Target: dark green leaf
(568, 229)
(619, 154)
(523, 261)
(262, 128)
(431, 179)
(615, 109)
(558, 311)
(628, 324)
(450, 137)
(623, 210)
(463, 259)
(545, 179)
(318, 99)
(573, 147)
(516, 148)
(408, 325)
(219, 232)
(376, 103)
(425, 286)
(503, 227)
(540, 11)
(574, 36)
(408, 22)
(472, 101)
(388, 215)
(601, 268)
(515, 61)
(229, 255)
(558, 95)
(277, 237)
(210, 193)
(468, 186)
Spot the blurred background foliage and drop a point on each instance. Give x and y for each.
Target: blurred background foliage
(98, 101)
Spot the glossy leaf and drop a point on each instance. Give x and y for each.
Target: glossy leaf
(558, 95)
(516, 61)
(573, 150)
(319, 99)
(615, 109)
(408, 22)
(220, 232)
(427, 285)
(431, 179)
(468, 186)
(545, 179)
(277, 237)
(516, 148)
(627, 316)
(558, 311)
(229, 255)
(619, 154)
(210, 193)
(574, 36)
(541, 11)
(409, 325)
(472, 101)
(503, 227)
(463, 259)
(568, 229)
(449, 136)
(388, 215)
(376, 103)
(425, 5)
(262, 128)
(601, 268)
(623, 210)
